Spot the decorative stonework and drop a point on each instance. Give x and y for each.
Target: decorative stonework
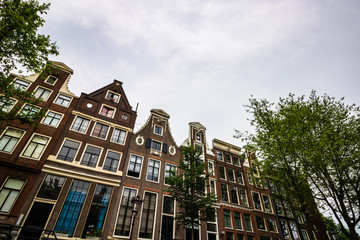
(172, 150)
(139, 140)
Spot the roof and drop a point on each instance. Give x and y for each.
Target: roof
(62, 65)
(160, 112)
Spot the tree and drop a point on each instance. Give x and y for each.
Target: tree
(312, 143)
(188, 187)
(21, 47)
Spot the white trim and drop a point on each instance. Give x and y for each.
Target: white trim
(107, 151)
(2, 134)
(61, 146)
(57, 96)
(107, 133)
(107, 106)
(83, 153)
(73, 122)
(142, 162)
(43, 99)
(42, 120)
(159, 173)
(30, 140)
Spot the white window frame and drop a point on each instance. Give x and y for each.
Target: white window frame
(252, 196)
(158, 126)
(212, 167)
(168, 214)
(232, 227)
(43, 99)
(62, 144)
(225, 172)
(52, 84)
(155, 214)
(28, 143)
(115, 93)
(234, 177)
(27, 115)
(3, 133)
(246, 196)
(83, 153)
(73, 122)
(42, 120)
(109, 107)
(213, 180)
(105, 157)
(219, 153)
(93, 128)
(272, 207)
(23, 80)
(159, 173)
(71, 98)
(173, 165)
(17, 196)
(274, 221)
(140, 170)
(10, 107)
(112, 136)
(231, 162)
(257, 225)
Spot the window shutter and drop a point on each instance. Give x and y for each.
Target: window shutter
(165, 148)
(148, 142)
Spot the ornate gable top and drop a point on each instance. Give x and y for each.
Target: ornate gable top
(160, 112)
(62, 66)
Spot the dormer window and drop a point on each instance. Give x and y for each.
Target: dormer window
(107, 111)
(158, 130)
(112, 96)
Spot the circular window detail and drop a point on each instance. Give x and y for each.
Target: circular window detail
(172, 150)
(124, 117)
(89, 105)
(139, 140)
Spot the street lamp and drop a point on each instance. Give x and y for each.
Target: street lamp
(136, 203)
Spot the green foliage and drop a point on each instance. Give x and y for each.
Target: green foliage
(311, 143)
(21, 46)
(188, 187)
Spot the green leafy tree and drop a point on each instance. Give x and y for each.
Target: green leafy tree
(21, 47)
(311, 144)
(188, 187)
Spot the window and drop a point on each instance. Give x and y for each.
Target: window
(148, 216)
(227, 158)
(91, 156)
(114, 97)
(156, 146)
(279, 208)
(267, 203)
(198, 137)
(9, 193)
(134, 166)
(227, 218)
(118, 136)
(158, 130)
(107, 111)
(29, 111)
(80, 124)
(224, 192)
(294, 231)
(211, 226)
(298, 217)
(72, 207)
(249, 178)
(213, 186)
(100, 130)
(284, 229)
(168, 206)
(305, 234)
(239, 178)
(167, 225)
(233, 193)
(153, 170)
(122, 227)
(169, 167)
(222, 172)
(51, 80)
(98, 209)
(211, 168)
(6, 104)
(9, 139)
(112, 161)
(272, 225)
(240, 237)
(21, 85)
(236, 161)
(260, 223)
(68, 151)
(243, 197)
(287, 209)
(219, 155)
(42, 93)
(52, 119)
(229, 236)
(230, 173)
(257, 201)
(247, 220)
(63, 100)
(36, 146)
(51, 187)
(265, 238)
(251, 238)
(237, 218)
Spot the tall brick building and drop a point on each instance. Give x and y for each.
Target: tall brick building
(77, 172)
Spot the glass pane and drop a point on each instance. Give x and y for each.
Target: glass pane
(14, 183)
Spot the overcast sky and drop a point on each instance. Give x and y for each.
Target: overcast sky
(201, 60)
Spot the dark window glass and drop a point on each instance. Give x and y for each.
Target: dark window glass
(158, 130)
(72, 207)
(243, 197)
(219, 155)
(156, 145)
(236, 161)
(51, 80)
(122, 227)
(265, 238)
(224, 192)
(99, 206)
(168, 206)
(68, 150)
(284, 229)
(91, 156)
(257, 202)
(112, 97)
(51, 187)
(134, 166)
(153, 170)
(100, 130)
(240, 237)
(234, 197)
(267, 203)
(227, 218)
(222, 172)
(239, 177)
(148, 216)
(237, 218)
(260, 223)
(272, 225)
(227, 158)
(229, 236)
(230, 173)
(112, 161)
(247, 222)
(211, 236)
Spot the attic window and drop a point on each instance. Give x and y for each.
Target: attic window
(112, 96)
(51, 80)
(107, 111)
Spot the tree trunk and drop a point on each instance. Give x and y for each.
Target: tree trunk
(353, 233)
